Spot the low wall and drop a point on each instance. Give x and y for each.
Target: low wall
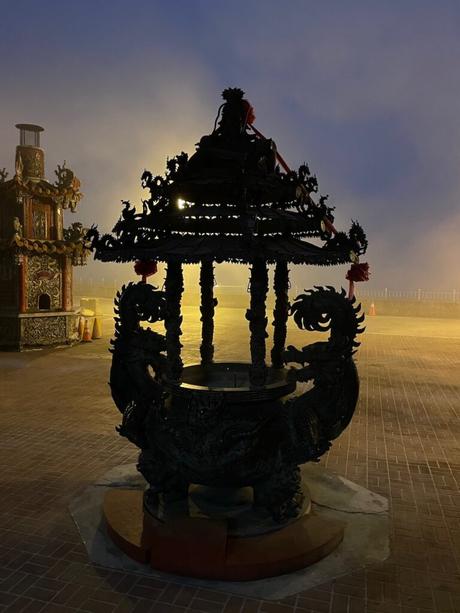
(412, 308)
(189, 298)
(383, 306)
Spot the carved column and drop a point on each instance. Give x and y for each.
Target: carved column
(174, 286)
(258, 321)
(66, 284)
(208, 303)
(280, 313)
(58, 223)
(22, 281)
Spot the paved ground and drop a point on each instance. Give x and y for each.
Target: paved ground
(57, 435)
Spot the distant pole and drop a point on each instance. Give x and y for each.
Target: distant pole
(419, 294)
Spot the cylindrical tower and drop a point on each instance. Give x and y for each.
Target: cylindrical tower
(30, 158)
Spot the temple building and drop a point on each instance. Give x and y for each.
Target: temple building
(36, 252)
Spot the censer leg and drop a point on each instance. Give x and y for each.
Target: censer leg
(281, 493)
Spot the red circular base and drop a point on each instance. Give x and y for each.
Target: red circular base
(201, 547)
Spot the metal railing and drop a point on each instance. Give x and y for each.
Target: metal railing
(452, 295)
(107, 287)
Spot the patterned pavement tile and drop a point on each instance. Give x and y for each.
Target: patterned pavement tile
(57, 436)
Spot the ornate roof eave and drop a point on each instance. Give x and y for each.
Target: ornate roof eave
(66, 192)
(193, 249)
(11, 185)
(39, 246)
(211, 220)
(34, 187)
(214, 188)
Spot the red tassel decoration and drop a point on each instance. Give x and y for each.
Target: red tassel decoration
(249, 110)
(357, 273)
(146, 268)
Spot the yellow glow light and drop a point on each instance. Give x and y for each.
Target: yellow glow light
(181, 203)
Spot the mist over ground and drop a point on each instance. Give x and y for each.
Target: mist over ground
(365, 92)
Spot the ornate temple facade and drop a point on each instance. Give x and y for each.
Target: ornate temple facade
(36, 252)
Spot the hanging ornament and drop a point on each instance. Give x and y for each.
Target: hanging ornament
(357, 273)
(146, 268)
(249, 111)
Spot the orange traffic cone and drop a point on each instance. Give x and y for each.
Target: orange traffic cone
(372, 309)
(97, 328)
(86, 332)
(81, 327)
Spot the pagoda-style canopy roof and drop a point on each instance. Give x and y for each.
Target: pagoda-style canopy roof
(194, 249)
(64, 192)
(230, 201)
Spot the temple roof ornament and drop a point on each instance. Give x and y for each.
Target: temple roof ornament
(65, 192)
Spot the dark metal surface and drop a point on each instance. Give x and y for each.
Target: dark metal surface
(202, 438)
(174, 286)
(207, 308)
(232, 381)
(232, 425)
(280, 313)
(257, 318)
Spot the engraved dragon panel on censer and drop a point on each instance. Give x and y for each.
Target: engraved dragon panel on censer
(44, 277)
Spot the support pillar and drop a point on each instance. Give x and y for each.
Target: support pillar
(174, 286)
(22, 282)
(208, 304)
(256, 316)
(280, 313)
(66, 284)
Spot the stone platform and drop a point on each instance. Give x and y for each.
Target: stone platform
(203, 546)
(339, 507)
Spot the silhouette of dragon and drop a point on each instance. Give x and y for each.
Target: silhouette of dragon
(199, 438)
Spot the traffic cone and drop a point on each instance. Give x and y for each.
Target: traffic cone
(86, 332)
(81, 327)
(372, 309)
(97, 328)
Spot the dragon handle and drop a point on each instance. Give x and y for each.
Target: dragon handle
(138, 362)
(320, 414)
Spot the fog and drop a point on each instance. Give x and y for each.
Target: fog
(365, 92)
